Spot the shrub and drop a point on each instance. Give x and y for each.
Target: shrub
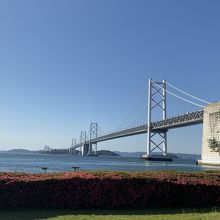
(109, 190)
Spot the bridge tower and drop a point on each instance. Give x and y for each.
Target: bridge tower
(72, 145)
(93, 133)
(157, 102)
(83, 143)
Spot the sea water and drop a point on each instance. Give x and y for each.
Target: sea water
(33, 162)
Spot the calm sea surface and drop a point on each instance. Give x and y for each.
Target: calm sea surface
(57, 163)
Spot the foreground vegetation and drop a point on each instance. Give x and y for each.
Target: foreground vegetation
(110, 190)
(164, 214)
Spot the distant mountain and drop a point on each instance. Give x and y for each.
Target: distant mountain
(174, 155)
(130, 154)
(20, 151)
(56, 151)
(100, 153)
(103, 153)
(76, 152)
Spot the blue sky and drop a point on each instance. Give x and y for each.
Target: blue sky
(66, 63)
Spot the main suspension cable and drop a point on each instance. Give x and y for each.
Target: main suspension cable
(202, 100)
(179, 97)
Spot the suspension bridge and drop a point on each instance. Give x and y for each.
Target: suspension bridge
(156, 130)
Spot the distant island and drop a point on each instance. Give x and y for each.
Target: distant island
(173, 155)
(20, 151)
(99, 153)
(60, 151)
(76, 152)
(139, 154)
(107, 153)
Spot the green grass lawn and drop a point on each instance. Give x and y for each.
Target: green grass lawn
(175, 214)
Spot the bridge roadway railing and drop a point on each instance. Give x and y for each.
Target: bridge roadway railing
(187, 119)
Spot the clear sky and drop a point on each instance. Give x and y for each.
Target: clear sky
(65, 63)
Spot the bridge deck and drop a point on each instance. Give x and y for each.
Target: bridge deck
(187, 119)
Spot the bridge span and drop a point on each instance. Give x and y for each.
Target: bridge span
(162, 126)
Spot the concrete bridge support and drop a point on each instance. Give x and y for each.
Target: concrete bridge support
(211, 135)
(85, 149)
(72, 146)
(82, 143)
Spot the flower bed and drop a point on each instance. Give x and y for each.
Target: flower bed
(109, 190)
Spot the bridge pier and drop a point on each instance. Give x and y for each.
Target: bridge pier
(211, 135)
(82, 143)
(93, 134)
(156, 99)
(85, 149)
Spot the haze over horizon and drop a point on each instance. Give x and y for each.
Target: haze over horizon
(64, 64)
